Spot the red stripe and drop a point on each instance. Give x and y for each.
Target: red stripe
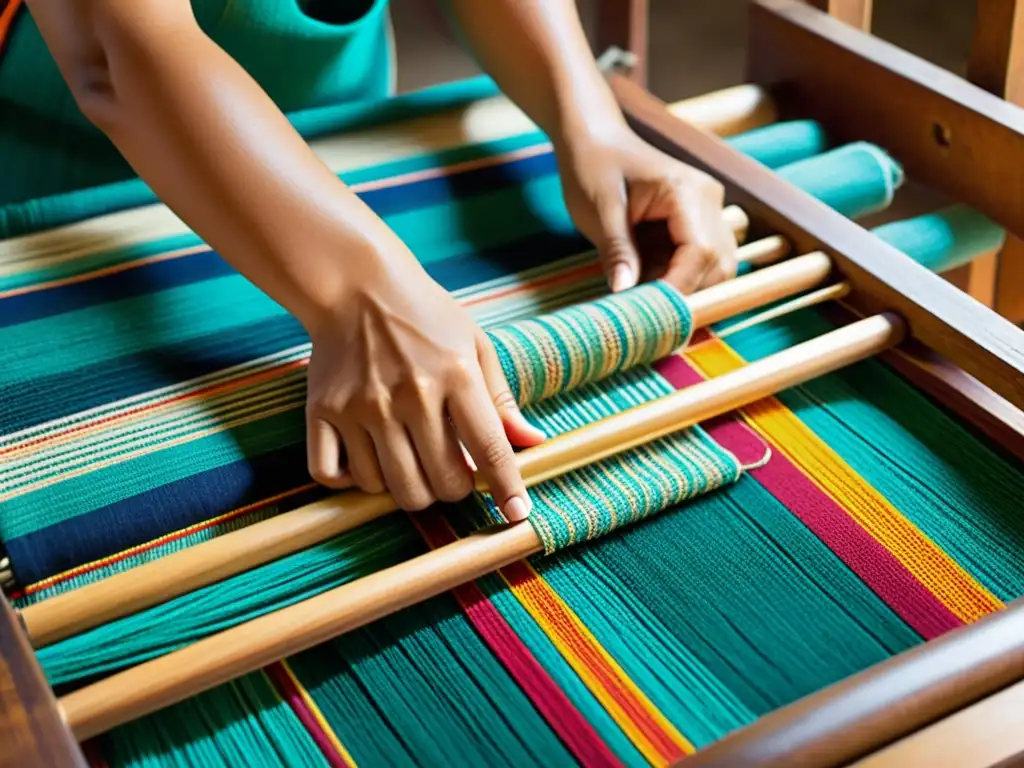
(873, 564)
(282, 681)
(550, 700)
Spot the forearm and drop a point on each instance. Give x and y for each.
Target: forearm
(538, 54)
(213, 147)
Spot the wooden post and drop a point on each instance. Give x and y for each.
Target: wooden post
(32, 731)
(856, 13)
(996, 64)
(623, 24)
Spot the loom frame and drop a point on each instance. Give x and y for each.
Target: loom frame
(962, 354)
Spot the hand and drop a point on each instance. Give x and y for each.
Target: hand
(617, 181)
(399, 375)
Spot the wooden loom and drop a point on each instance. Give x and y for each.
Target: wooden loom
(951, 346)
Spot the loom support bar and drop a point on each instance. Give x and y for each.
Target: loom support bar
(122, 594)
(219, 658)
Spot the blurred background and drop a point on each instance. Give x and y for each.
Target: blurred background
(696, 46)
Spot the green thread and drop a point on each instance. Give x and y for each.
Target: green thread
(561, 351)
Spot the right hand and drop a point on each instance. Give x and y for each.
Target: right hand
(400, 375)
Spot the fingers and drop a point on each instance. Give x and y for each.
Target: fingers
(615, 245)
(323, 453)
(706, 247)
(399, 465)
(477, 421)
(361, 458)
(520, 432)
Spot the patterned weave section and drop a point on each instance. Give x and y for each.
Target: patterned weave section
(623, 489)
(561, 351)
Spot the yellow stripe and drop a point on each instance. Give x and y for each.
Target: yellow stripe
(929, 563)
(565, 630)
(320, 719)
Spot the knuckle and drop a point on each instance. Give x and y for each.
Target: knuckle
(453, 486)
(460, 371)
(373, 402)
(418, 387)
(496, 451)
(504, 401)
(412, 496)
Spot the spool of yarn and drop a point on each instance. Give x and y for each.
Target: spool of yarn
(944, 239)
(781, 144)
(855, 179)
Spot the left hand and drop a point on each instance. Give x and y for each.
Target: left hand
(617, 181)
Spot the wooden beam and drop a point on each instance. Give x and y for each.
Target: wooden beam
(623, 24)
(996, 64)
(985, 734)
(947, 133)
(32, 732)
(856, 13)
(940, 316)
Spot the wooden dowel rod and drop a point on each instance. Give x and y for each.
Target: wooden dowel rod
(833, 292)
(176, 574)
(737, 220)
(772, 283)
(181, 674)
(763, 252)
(729, 111)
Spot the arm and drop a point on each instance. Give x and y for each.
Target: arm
(387, 367)
(537, 52)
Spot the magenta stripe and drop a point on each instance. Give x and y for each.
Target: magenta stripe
(876, 566)
(287, 690)
(551, 701)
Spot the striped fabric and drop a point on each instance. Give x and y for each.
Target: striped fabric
(866, 520)
(559, 352)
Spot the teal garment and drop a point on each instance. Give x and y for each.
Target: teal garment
(304, 53)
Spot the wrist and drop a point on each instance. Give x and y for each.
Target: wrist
(587, 116)
(354, 265)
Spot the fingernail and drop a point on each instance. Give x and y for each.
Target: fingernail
(517, 508)
(622, 277)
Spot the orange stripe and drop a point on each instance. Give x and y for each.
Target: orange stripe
(150, 408)
(165, 539)
(960, 592)
(649, 730)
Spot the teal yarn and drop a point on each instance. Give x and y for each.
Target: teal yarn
(185, 619)
(68, 207)
(781, 144)
(243, 722)
(581, 344)
(624, 489)
(944, 239)
(856, 179)
(420, 687)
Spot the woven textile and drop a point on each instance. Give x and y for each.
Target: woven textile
(867, 520)
(557, 353)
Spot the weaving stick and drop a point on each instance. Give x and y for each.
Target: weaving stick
(186, 570)
(158, 683)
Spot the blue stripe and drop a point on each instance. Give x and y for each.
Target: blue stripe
(33, 402)
(205, 265)
(128, 523)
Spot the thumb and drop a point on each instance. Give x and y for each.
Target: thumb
(520, 432)
(615, 245)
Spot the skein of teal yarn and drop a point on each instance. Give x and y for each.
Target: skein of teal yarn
(855, 179)
(944, 239)
(780, 144)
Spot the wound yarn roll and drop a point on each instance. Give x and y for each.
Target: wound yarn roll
(557, 353)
